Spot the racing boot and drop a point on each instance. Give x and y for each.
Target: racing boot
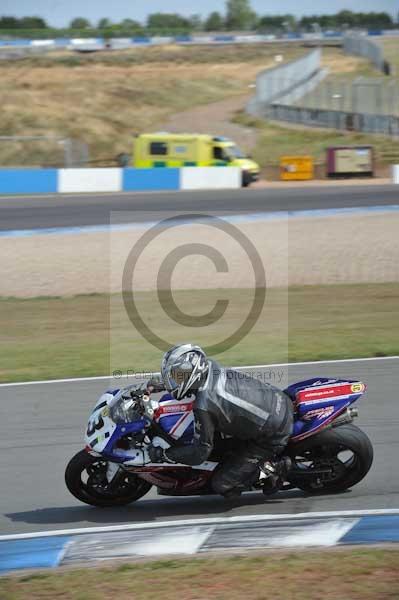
(274, 474)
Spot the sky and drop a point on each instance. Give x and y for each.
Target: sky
(59, 13)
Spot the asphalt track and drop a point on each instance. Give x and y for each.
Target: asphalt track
(41, 427)
(30, 212)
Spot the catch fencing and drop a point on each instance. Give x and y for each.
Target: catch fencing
(335, 119)
(286, 80)
(299, 93)
(360, 45)
(43, 151)
(362, 95)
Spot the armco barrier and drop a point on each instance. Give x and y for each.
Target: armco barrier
(194, 178)
(89, 180)
(28, 181)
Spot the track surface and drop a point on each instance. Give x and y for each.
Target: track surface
(30, 212)
(41, 427)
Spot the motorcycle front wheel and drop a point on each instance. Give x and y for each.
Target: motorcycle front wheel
(340, 457)
(85, 478)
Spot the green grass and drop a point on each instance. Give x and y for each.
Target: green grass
(276, 140)
(356, 574)
(47, 338)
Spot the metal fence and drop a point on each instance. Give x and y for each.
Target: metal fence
(272, 84)
(299, 93)
(360, 45)
(43, 151)
(335, 119)
(362, 95)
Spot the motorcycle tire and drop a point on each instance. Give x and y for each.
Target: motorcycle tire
(130, 487)
(322, 450)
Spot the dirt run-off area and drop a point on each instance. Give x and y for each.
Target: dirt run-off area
(333, 249)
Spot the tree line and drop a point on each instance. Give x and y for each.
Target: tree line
(239, 16)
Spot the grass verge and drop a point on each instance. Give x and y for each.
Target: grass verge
(356, 574)
(276, 140)
(48, 338)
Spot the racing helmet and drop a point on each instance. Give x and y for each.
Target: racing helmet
(184, 369)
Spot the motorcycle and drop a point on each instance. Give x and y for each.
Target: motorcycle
(327, 452)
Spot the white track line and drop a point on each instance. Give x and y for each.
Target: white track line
(210, 521)
(141, 374)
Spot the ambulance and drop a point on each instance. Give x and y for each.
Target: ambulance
(153, 150)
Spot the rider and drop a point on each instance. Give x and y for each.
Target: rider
(258, 415)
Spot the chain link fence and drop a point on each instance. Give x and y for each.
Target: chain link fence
(42, 151)
(362, 95)
(300, 92)
(361, 46)
(335, 119)
(272, 84)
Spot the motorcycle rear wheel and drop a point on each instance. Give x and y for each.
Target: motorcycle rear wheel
(85, 479)
(345, 450)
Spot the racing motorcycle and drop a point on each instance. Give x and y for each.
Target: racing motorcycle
(327, 452)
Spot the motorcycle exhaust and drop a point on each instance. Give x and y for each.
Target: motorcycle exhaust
(346, 417)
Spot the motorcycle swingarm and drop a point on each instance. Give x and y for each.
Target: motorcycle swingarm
(310, 474)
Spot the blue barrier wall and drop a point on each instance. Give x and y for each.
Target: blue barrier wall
(28, 181)
(150, 179)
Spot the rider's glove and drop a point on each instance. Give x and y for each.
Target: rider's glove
(157, 455)
(155, 384)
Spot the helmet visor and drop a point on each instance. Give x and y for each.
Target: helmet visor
(177, 380)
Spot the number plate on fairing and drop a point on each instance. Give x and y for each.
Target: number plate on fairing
(100, 427)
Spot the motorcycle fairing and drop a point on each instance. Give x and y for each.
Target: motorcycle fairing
(319, 401)
(100, 427)
(176, 418)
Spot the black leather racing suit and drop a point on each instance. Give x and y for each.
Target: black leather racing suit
(256, 414)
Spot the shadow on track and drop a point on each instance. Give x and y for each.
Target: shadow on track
(154, 510)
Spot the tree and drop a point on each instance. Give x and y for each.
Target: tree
(130, 24)
(79, 23)
(32, 23)
(347, 18)
(239, 16)
(214, 22)
(104, 23)
(196, 22)
(168, 21)
(9, 23)
(276, 23)
(23, 23)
